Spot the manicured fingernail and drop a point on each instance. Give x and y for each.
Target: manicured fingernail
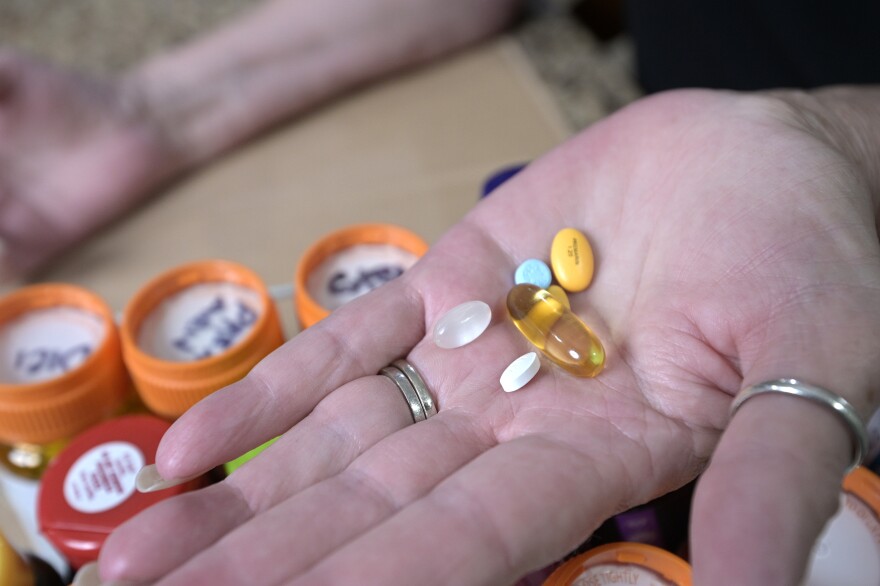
(87, 576)
(149, 479)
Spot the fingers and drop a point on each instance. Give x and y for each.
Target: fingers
(359, 339)
(301, 530)
(516, 508)
(340, 428)
(773, 483)
(20, 229)
(775, 477)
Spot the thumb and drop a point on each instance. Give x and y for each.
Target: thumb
(775, 477)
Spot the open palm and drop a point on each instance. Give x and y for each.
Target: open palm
(732, 247)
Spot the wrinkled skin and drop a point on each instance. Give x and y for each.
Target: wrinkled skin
(733, 245)
(75, 152)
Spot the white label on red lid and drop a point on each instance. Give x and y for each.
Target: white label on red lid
(103, 477)
(848, 550)
(356, 270)
(606, 574)
(46, 343)
(200, 321)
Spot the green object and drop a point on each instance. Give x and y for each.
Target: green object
(234, 465)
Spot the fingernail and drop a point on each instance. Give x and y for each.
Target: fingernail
(87, 575)
(149, 479)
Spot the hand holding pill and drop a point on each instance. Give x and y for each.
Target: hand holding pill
(733, 243)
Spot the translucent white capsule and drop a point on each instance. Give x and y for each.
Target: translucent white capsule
(462, 324)
(520, 372)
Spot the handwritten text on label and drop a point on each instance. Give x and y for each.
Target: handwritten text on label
(214, 329)
(365, 280)
(42, 362)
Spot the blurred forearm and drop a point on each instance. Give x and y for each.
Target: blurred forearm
(288, 55)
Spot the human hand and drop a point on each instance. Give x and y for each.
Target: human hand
(75, 152)
(734, 245)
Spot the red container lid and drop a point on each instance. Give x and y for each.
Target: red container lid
(89, 489)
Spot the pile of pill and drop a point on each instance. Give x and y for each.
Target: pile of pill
(541, 311)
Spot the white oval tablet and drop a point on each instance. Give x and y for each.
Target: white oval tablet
(520, 372)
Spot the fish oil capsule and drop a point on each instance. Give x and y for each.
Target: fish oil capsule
(555, 330)
(560, 294)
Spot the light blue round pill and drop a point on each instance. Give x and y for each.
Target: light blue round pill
(533, 271)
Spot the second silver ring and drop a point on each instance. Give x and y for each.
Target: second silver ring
(413, 388)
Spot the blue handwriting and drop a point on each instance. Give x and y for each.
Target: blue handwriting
(366, 280)
(220, 329)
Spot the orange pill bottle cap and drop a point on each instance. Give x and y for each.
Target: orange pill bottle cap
(42, 409)
(310, 311)
(174, 377)
(623, 563)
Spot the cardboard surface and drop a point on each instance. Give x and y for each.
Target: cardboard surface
(413, 150)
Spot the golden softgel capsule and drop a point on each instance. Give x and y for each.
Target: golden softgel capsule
(555, 330)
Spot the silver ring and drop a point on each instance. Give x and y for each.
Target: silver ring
(841, 406)
(409, 393)
(419, 385)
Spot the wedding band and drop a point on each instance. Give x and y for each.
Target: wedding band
(409, 393)
(413, 387)
(419, 385)
(826, 398)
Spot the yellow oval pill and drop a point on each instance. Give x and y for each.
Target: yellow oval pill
(572, 259)
(559, 293)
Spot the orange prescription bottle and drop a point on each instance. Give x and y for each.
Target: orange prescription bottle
(19, 570)
(348, 263)
(623, 563)
(194, 330)
(61, 371)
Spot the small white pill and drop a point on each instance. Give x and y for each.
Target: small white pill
(520, 372)
(462, 324)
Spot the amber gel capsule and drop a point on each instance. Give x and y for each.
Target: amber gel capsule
(555, 330)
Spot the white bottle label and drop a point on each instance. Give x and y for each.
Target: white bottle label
(103, 478)
(354, 271)
(46, 343)
(619, 574)
(199, 322)
(848, 550)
